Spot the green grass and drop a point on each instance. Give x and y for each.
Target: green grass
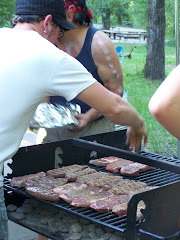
(140, 91)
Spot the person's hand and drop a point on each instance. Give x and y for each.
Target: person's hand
(135, 136)
(83, 122)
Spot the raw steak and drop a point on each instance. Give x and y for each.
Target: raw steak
(19, 181)
(104, 161)
(116, 166)
(121, 209)
(134, 168)
(107, 204)
(61, 172)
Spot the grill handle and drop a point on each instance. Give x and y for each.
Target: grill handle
(172, 165)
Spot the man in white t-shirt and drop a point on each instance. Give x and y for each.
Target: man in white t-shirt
(32, 68)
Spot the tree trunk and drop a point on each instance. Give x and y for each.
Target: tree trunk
(155, 59)
(106, 19)
(119, 20)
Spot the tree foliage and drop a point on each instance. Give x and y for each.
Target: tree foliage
(135, 11)
(7, 9)
(106, 8)
(138, 12)
(170, 17)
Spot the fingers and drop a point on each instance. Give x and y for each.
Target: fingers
(134, 138)
(145, 139)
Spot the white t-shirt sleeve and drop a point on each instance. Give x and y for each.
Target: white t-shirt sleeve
(69, 77)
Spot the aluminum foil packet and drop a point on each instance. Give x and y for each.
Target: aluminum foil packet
(49, 116)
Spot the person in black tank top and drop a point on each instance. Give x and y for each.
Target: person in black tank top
(96, 52)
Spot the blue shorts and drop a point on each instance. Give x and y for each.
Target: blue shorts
(3, 217)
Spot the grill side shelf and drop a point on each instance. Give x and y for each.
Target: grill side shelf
(161, 215)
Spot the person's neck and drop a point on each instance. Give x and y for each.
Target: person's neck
(73, 40)
(24, 26)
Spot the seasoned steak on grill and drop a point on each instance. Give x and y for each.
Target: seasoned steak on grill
(69, 195)
(73, 176)
(45, 194)
(128, 187)
(93, 177)
(69, 187)
(85, 199)
(106, 181)
(42, 187)
(61, 172)
(19, 181)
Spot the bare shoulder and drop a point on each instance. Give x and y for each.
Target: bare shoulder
(102, 45)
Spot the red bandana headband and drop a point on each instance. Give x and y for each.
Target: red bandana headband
(76, 8)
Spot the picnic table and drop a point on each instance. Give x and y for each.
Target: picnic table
(141, 35)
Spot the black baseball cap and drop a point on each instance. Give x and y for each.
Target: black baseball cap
(44, 7)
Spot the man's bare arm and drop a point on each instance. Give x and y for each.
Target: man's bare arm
(114, 108)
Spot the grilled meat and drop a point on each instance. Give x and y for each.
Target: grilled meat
(72, 176)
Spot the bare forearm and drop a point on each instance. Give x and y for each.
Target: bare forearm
(92, 115)
(117, 110)
(126, 115)
(111, 106)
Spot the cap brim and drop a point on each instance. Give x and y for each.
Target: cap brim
(66, 25)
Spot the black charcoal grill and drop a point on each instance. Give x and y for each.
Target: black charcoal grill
(162, 213)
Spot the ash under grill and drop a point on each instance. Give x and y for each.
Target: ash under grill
(79, 151)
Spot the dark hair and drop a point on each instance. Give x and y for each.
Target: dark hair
(29, 19)
(80, 17)
(26, 19)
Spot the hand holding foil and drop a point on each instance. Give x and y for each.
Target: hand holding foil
(49, 116)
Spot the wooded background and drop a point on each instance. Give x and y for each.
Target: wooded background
(156, 16)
